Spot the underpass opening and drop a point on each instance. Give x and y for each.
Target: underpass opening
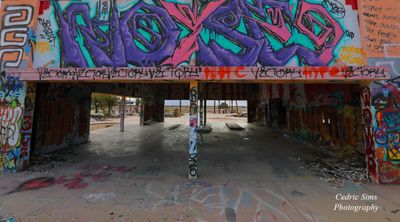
(328, 116)
(109, 110)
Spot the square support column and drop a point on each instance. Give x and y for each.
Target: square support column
(193, 116)
(367, 120)
(27, 126)
(122, 115)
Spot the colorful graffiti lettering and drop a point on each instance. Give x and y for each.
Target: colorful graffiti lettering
(386, 101)
(352, 55)
(12, 95)
(329, 99)
(212, 33)
(390, 172)
(385, 104)
(17, 43)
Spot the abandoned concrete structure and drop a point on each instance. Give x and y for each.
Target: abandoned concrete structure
(323, 69)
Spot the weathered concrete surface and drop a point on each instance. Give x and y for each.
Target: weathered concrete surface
(141, 175)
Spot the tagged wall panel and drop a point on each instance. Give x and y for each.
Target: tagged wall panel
(215, 33)
(380, 27)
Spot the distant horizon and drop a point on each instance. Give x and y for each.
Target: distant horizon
(242, 103)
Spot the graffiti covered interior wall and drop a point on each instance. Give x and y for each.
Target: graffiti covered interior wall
(17, 42)
(121, 33)
(328, 113)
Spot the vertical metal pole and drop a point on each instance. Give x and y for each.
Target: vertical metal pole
(193, 96)
(201, 121)
(122, 113)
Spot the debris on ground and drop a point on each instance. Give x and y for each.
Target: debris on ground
(338, 170)
(234, 126)
(48, 163)
(174, 127)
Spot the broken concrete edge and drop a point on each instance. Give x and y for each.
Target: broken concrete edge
(234, 126)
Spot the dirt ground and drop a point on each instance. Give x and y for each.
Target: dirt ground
(256, 174)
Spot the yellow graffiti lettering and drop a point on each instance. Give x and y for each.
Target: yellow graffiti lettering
(353, 56)
(394, 154)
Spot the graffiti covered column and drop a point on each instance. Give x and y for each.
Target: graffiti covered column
(380, 25)
(17, 43)
(27, 125)
(372, 169)
(193, 130)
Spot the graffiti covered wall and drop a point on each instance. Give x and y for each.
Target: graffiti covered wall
(380, 26)
(121, 33)
(385, 103)
(17, 42)
(329, 114)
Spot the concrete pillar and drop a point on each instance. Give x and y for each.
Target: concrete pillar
(122, 114)
(214, 106)
(370, 156)
(159, 109)
(252, 103)
(142, 103)
(27, 126)
(251, 110)
(205, 112)
(193, 96)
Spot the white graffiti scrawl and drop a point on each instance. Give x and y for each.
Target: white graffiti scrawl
(10, 129)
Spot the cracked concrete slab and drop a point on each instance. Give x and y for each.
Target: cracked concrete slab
(141, 175)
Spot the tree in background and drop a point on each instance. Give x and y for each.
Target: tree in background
(224, 106)
(96, 102)
(104, 101)
(137, 104)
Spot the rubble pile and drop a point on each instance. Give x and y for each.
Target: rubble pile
(337, 170)
(49, 162)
